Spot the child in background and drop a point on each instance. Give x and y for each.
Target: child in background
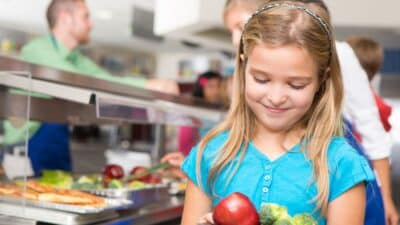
(370, 55)
(282, 139)
(207, 87)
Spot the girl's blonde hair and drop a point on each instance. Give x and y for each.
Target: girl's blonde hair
(278, 27)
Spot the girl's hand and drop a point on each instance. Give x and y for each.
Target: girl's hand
(176, 160)
(206, 220)
(391, 215)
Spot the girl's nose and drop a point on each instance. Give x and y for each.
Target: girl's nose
(277, 96)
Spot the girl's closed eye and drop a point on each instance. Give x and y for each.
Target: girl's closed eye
(260, 79)
(297, 86)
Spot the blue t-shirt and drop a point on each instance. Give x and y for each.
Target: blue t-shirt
(286, 181)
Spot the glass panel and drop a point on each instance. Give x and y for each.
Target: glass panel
(15, 131)
(137, 112)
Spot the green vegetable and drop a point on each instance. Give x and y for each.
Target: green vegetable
(270, 213)
(115, 184)
(304, 219)
(83, 186)
(96, 179)
(85, 179)
(56, 178)
(136, 184)
(284, 221)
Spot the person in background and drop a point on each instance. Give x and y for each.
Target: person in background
(281, 141)
(69, 24)
(207, 87)
(240, 11)
(359, 107)
(370, 54)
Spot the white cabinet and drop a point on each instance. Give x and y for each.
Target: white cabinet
(198, 21)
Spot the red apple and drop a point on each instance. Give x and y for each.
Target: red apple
(154, 179)
(236, 209)
(138, 170)
(112, 171)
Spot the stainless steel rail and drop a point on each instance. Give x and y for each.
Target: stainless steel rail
(82, 89)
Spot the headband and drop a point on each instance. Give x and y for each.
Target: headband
(315, 16)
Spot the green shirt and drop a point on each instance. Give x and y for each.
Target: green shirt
(49, 52)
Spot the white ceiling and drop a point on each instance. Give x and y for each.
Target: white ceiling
(111, 21)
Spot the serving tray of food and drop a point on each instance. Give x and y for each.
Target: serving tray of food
(109, 204)
(113, 183)
(42, 196)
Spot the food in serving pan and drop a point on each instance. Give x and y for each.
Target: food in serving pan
(112, 177)
(56, 178)
(39, 192)
(141, 173)
(112, 172)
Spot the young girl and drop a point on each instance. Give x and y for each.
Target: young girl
(281, 141)
(359, 107)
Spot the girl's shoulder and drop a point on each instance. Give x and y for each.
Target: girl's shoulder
(218, 140)
(339, 148)
(347, 167)
(343, 157)
(213, 145)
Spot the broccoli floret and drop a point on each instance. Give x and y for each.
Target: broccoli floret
(284, 221)
(270, 213)
(304, 219)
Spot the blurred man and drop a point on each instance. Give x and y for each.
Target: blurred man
(70, 27)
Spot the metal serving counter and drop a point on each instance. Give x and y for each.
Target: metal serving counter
(161, 212)
(169, 209)
(89, 91)
(79, 99)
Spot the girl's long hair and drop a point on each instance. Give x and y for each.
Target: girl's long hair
(281, 27)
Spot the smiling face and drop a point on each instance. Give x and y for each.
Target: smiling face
(280, 84)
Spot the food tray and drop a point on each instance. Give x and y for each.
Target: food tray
(123, 192)
(111, 204)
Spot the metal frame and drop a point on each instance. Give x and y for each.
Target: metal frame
(75, 88)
